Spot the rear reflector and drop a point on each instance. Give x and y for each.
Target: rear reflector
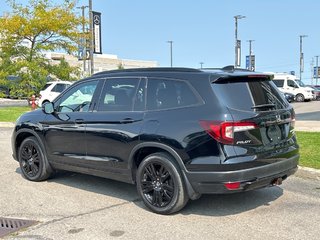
(223, 132)
(293, 119)
(232, 185)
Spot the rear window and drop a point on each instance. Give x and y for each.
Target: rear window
(249, 95)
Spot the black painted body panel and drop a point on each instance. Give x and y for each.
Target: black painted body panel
(104, 143)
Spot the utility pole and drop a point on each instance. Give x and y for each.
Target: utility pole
(250, 55)
(84, 39)
(312, 70)
(301, 56)
(317, 70)
(170, 42)
(91, 38)
(237, 42)
(201, 63)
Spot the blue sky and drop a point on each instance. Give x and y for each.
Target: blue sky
(203, 31)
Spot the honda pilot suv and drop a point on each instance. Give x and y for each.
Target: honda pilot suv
(175, 133)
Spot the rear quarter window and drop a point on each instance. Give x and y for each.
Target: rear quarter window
(247, 95)
(168, 94)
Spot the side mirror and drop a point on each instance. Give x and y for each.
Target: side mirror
(48, 108)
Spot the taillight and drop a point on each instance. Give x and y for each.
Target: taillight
(223, 132)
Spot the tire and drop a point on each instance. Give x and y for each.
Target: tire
(160, 184)
(299, 97)
(33, 162)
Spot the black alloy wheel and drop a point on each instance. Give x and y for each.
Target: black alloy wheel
(160, 185)
(157, 185)
(32, 161)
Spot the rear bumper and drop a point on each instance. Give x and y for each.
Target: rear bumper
(252, 178)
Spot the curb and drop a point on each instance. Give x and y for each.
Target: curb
(309, 173)
(7, 124)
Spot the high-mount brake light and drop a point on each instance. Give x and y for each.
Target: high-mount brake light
(223, 132)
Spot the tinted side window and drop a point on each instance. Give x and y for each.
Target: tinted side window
(78, 98)
(166, 94)
(118, 94)
(278, 83)
(292, 84)
(140, 97)
(59, 87)
(46, 86)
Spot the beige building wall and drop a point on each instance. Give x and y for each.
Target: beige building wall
(102, 62)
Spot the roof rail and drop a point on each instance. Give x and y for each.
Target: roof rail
(229, 68)
(151, 69)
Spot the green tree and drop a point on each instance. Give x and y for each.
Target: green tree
(64, 71)
(30, 30)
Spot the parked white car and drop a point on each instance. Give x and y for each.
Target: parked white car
(290, 84)
(51, 90)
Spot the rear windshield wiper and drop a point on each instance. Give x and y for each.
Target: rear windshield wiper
(270, 105)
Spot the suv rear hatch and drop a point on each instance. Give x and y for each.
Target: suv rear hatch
(262, 130)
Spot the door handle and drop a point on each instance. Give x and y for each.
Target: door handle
(79, 121)
(127, 120)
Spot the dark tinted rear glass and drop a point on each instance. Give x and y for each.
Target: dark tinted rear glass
(250, 95)
(167, 94)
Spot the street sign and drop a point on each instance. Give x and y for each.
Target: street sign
(315, 72)
(238, 51)
(251, 63)
(81, 52)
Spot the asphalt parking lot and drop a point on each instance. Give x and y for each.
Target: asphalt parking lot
(76, 206)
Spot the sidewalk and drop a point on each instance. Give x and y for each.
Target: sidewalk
(307, 126)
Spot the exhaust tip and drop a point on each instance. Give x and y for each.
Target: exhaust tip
(277, 182)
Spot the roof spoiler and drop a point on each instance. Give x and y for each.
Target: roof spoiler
(243, 78)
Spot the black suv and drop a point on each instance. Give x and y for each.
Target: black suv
(176, 133)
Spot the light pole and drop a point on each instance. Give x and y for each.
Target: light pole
(251, 68)
(170, 42)
(201, 63)
(91, 38)
(301, 56)
(317, 70)
(84, 39)
(237, 42)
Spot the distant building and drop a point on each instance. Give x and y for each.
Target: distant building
(102, 62)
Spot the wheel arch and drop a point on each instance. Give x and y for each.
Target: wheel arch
(142, 150)
(23, 134)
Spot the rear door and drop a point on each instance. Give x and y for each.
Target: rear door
(255, 99)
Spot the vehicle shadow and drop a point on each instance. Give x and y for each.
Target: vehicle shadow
(94, 184)
(207, 205)
(231, 204)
